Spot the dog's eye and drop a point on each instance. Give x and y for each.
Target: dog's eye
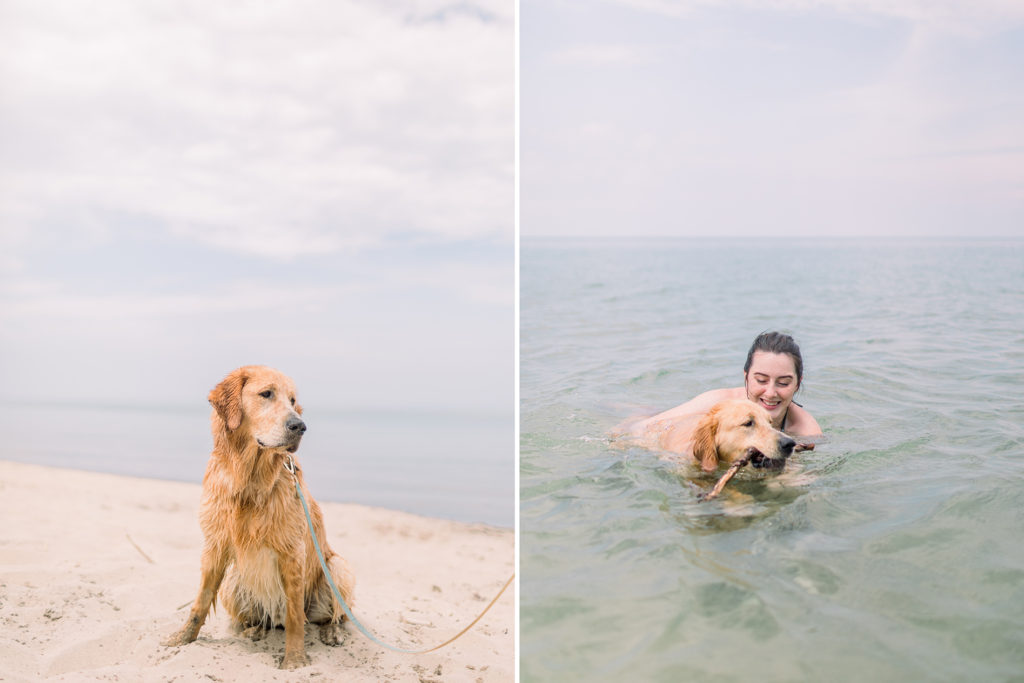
(749, 423)
(266, 394)
(293, 400)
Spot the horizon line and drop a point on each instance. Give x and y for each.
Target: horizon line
(766, 236)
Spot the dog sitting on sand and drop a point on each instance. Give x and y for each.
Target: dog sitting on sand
(258, 550)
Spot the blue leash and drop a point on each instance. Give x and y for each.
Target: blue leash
(290, 466)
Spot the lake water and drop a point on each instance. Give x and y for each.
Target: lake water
(444, 465)
(893, 552)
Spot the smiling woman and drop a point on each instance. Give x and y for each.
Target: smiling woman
(772, 374)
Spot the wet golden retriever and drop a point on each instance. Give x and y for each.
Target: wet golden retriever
(730, 430)
(736, 429)
(258, 550)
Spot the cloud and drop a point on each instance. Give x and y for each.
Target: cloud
(953, 15)
(277, 129)
(795, 117)
(602, 55)
(37, 299)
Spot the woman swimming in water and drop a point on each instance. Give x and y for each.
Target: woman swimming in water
(771, 376)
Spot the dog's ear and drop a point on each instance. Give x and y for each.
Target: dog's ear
(226, 399)
(704, 449)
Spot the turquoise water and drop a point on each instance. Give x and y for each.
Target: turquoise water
(893, 552)
(452, 466)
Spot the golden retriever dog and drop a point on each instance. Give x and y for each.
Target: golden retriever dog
(736, 429)
(258, 550)
(730, 430)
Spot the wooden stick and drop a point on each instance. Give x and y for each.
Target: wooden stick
(148, 558)
(729, 474)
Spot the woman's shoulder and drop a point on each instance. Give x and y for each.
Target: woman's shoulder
(800, 422)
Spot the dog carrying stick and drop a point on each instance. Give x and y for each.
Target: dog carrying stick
(729, 474)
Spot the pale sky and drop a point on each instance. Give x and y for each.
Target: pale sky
(781, 117)
(322, 186)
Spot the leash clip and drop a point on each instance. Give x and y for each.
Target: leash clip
(289, 464)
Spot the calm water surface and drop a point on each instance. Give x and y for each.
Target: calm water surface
(893, 552)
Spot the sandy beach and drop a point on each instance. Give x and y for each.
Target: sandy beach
(97, 569)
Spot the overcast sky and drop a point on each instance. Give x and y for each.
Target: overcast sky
(322, 186)
(777, 117)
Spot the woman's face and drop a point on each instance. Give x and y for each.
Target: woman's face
(771, 381)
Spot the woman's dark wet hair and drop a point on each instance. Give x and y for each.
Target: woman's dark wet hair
(777, 342)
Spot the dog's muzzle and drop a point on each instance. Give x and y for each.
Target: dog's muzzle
(294, 428)
(761, 461)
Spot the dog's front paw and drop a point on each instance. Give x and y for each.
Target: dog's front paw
(295, 660)
(330, 634)
(254, 633)
(182, 637)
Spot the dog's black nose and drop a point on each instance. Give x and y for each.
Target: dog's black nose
(294, 424)
(786, 445)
